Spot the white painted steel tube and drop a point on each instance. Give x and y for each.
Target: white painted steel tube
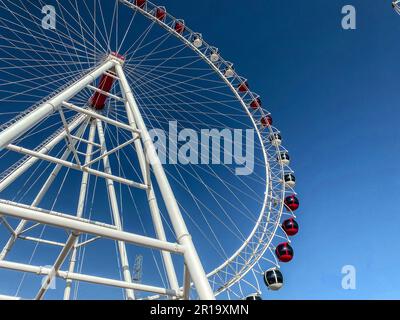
(76, 167)
(3, 297)
(72, 239)
(14, 131)
(152, 200)
(64, 222)
(191, 257)
(81, 206)
(123, 256)
(83, 277)
(44, 150)
(99, 116)
(7, 247)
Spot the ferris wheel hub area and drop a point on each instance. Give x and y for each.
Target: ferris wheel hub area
(117, 56)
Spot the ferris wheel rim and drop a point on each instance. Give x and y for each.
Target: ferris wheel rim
(150, 14)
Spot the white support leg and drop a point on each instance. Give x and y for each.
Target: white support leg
(191, 257)
(8, 246)
(186, 283)
(154, 209)
(81, 204)
(14, 131)
(57, 265)
(73, 238)
(115, 212)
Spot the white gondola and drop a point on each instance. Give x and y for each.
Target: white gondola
(284, 158)
(254, 297)
(214, 56)
(275, 139)
(273, 279)
(197, 40)
(229, 71)
(290, 180)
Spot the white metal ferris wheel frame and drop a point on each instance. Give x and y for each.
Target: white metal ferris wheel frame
(231, 271)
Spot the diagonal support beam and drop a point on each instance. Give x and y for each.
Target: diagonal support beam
(73, 237)
(7, 226)
(85, 141)
(191, 257)
(76, 167)
(153, 205)
(99, 117)
(81, 206)
(14, 131)
(43, 150)
(38, 199)
(57, 265)
(70, 142)
(106, 154)
(84, 243)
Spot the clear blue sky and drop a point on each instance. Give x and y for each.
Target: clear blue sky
(333, 94)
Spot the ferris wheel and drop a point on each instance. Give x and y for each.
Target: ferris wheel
(125, 134)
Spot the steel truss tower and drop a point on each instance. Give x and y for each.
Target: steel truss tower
(150, 166)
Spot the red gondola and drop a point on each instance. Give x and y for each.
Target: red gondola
(140, 3)
(243, 87)
(292, 202)
(179, 26)
(161, 13)
(266, 121)
(290, 226)
(256, 103)
(284, 252)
